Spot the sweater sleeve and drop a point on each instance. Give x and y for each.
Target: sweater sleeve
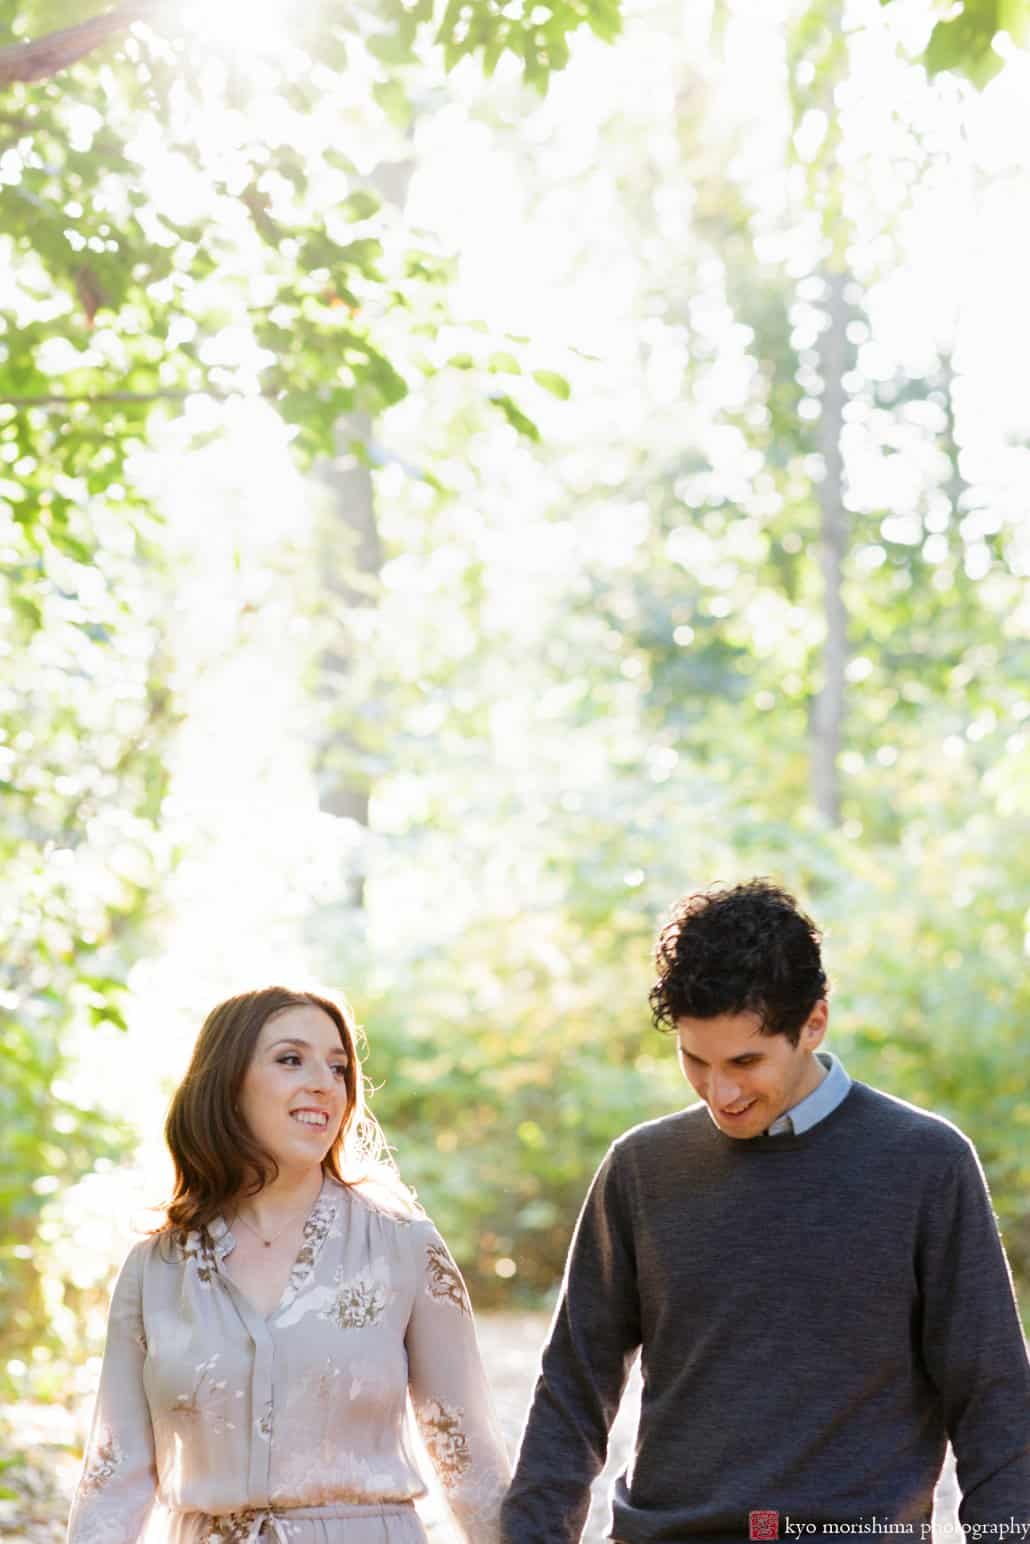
(449, 1393)
(974, 1350)
(118, 1484)
(586, 1362)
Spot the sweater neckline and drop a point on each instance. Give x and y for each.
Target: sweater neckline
(786, 1142)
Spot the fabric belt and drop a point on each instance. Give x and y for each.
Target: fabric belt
(246, 1527)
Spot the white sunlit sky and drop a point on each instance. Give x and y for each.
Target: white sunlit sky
(530, 209)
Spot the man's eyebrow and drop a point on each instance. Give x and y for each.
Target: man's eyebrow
(741, 1057)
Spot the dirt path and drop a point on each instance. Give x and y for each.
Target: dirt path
(511, 1348)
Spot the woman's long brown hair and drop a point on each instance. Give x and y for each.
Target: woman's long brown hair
(216, 1158)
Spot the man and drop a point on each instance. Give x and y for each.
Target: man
(810, 1269)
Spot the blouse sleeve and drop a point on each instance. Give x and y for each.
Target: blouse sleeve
(118, 1485)
(449, 1393)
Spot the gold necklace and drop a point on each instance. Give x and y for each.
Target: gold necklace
(268, 1242)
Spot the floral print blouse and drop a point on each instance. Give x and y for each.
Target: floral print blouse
(206, 1406)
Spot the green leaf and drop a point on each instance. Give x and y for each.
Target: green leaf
(604, 19)
(341, 160)
(556, 384)
(389, 385)
(79, 550)
(493, 50)
(332, 49)
(363, 254)
(517, 418)
(393, 99)
(28, 610)
(504, 364)
(965, 43)
(1014, 18)
(360, 205)
(392, 48)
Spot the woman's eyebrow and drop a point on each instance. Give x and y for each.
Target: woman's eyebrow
(306, 1045)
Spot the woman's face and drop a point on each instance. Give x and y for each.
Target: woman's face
(294, 1093)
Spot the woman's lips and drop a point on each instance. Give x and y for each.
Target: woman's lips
(313, 1120)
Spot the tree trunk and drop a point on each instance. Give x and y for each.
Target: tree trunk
(827, 720)
(956, 486)
(350, 560)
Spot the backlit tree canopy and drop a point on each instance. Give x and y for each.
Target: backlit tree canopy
(696, 553)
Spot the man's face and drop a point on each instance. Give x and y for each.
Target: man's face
(748, 1079)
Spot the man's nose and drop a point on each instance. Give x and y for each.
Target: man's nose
(725, 1090)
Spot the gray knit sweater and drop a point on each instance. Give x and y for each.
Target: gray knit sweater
(816, 1314)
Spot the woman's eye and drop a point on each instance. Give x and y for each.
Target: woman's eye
(340, 1070)
(289, 1060)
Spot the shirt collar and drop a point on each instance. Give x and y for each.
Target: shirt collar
(822, 1101)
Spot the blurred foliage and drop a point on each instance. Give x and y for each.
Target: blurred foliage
(179, 225)
(963, 39)
(83, 722)
(182, 220)
(581, 722)
(584, 680)
(507, 1069)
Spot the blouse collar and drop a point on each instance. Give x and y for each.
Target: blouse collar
(318, 1224)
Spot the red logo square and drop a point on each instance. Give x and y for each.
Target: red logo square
(763, 1525)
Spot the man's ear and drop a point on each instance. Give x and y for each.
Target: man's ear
(815, 1025)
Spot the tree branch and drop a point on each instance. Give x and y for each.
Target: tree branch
(53, 399)
(46, 56)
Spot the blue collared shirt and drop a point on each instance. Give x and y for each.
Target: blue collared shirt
(815, 1106)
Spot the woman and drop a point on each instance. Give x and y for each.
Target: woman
(262, 1345)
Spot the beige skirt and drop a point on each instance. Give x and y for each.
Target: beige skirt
(393, 1523)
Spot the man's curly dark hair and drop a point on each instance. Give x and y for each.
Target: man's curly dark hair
(745, 949)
